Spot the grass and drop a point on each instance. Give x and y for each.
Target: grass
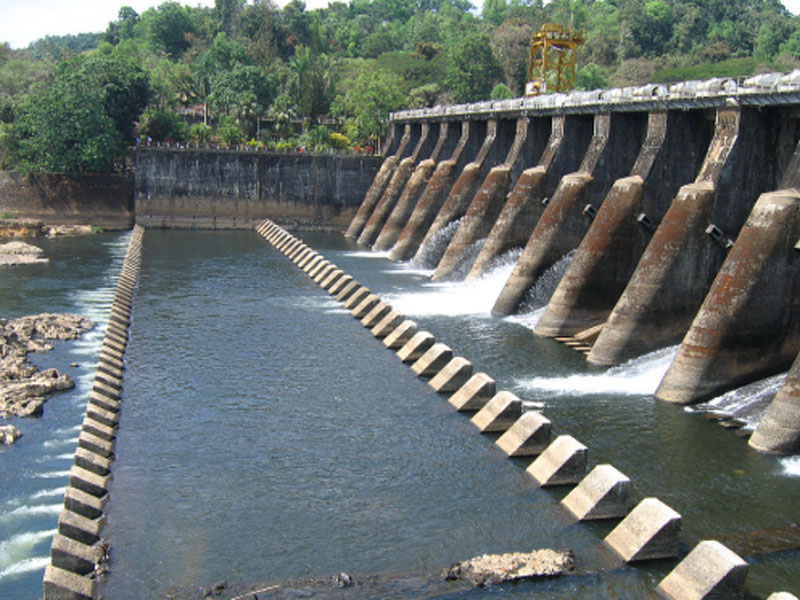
(8, 215)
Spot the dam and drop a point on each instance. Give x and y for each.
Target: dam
(577, 249)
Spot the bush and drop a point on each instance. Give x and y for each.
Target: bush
(200, 133)
(163, 125)
(500, 92)
(229, 132)
(340, 141)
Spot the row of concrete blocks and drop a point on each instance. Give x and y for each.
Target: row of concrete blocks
(650, 531)
(78, 551)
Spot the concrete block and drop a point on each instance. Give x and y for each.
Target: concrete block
(499, 413)
(433, 361)
(356, 297)
(338, 285)
(416, 346)
(82, 503)
(60, 584)
(602, 494)
(387, 324)
(373, 317)
(311, 264)
(528, 436)
(91, 461)
(324, 272)
(400, 335)
(347, 290)
(363, 308)
(306, 260)
(294, 254)
(475, 393)
(73, 556)
(709, 572)
(314, 271)
(454, 374)
(563, 462)
(109, 418)
(103, 402)
(331, 279)
(89, 482)
(79, 528)
(650, 531)
(105, 390)
(99, 429)
(111, 382)
(95, 444)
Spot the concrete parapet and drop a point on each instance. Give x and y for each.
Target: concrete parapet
(400, 335)
(338, 285)
(709, 572)
(499, 413)
(374, 316)
(475, 393)
(365, 306)
(414, 348)
(602, 494)
(778, 432)
(433, 361)
(563, 462)
(649, 532)
(356, 297)
(528, 436)
(387, 324)
(453, 376)
(60, 584)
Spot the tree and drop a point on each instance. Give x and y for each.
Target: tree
(367, 104)
(510, 45)
(166, 27)
(123, 27)
(243, 93)
(501, 92)
(472, 70)
(311, 82)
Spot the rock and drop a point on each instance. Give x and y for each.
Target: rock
(57, 230)
(23, 387)
(491, 569)
(9, 434)
(216, 589)
(14, 227)
(20, 253)
(343, 580)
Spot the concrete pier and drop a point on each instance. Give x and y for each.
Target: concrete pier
(421, 141)
(429, 204)
(491, 196)
(681, 260)
(448, 137)
(779, 429)
(378, 185)
(748, 326)
(569, 213)
(465, 187)
(607, 256)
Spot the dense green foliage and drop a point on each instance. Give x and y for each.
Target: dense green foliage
(248, 70)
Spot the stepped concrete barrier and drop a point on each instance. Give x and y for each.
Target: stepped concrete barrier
(365, 306)
(748, 326)
(415, 347)
(436, 190)
(611, 153)
(401, 335)
(434, 360)
(709, 572)
(680, 262)
(488, 201)
(475, 393)
(378, 184)
(650, 531)
(417, 183)
(387, 324)
(607, 256)
(78, 552)
(602, 494)
(378, 312)
(499, 413)
(421, 143)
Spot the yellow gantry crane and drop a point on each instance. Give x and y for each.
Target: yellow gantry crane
(552, 63)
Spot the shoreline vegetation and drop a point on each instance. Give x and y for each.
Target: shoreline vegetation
(248, 73)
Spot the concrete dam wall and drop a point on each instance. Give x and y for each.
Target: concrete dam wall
(210, 189)
(676, 208)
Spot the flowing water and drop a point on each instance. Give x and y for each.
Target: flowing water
(80, 278)
(266, 435)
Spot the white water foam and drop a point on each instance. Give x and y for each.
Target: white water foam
(368, 254)
(59, 491)
(638, 376)
(16, 549)
(456, 298)
(64, 442)
(430, 253)
(28, 565)
(52, 474)
(791, 466)
(28, 510)
(747, 403)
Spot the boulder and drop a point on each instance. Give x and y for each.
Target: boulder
(490, 569)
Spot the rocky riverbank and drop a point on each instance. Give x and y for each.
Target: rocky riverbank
(23, 386)
(20, 253)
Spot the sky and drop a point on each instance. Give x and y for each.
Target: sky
(24, 21)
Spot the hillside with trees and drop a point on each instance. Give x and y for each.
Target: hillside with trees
(246, 71)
